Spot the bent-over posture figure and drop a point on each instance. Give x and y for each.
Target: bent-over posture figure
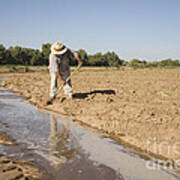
(59, 68)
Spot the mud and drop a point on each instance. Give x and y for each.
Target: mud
(139, 107)
(13, 169)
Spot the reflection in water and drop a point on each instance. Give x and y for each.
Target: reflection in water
(60, 143)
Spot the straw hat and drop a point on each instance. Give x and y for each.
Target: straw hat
(58, 48)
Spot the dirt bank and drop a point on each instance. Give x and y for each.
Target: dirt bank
(140, 107)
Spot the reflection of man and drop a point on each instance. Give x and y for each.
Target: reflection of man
(59, 69)
(59, 142)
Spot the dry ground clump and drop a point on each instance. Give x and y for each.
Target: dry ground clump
(141, 107)
(11, 169)
(6, 140)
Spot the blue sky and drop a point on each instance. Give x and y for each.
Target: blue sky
(144, 29)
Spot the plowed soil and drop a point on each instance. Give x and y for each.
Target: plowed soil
(138, 107)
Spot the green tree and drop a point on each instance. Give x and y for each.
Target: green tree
(2, 54)
(97, 60)
(26, 55)
(113, 59)
(83, 56)
(134, 62)
(46, 50)
(16, 54)
(8, 58)
(169, 62)
(37, 58)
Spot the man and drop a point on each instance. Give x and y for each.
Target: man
(59, 69)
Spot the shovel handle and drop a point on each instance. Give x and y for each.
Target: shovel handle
(68, 78)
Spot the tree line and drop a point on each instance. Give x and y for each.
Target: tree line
(144, 64)
(27, 56)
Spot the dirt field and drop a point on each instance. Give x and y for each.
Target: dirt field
(138, 107)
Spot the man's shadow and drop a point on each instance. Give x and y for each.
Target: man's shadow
(85, 95)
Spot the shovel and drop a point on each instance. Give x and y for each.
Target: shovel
(68, 78)
(61, 87)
